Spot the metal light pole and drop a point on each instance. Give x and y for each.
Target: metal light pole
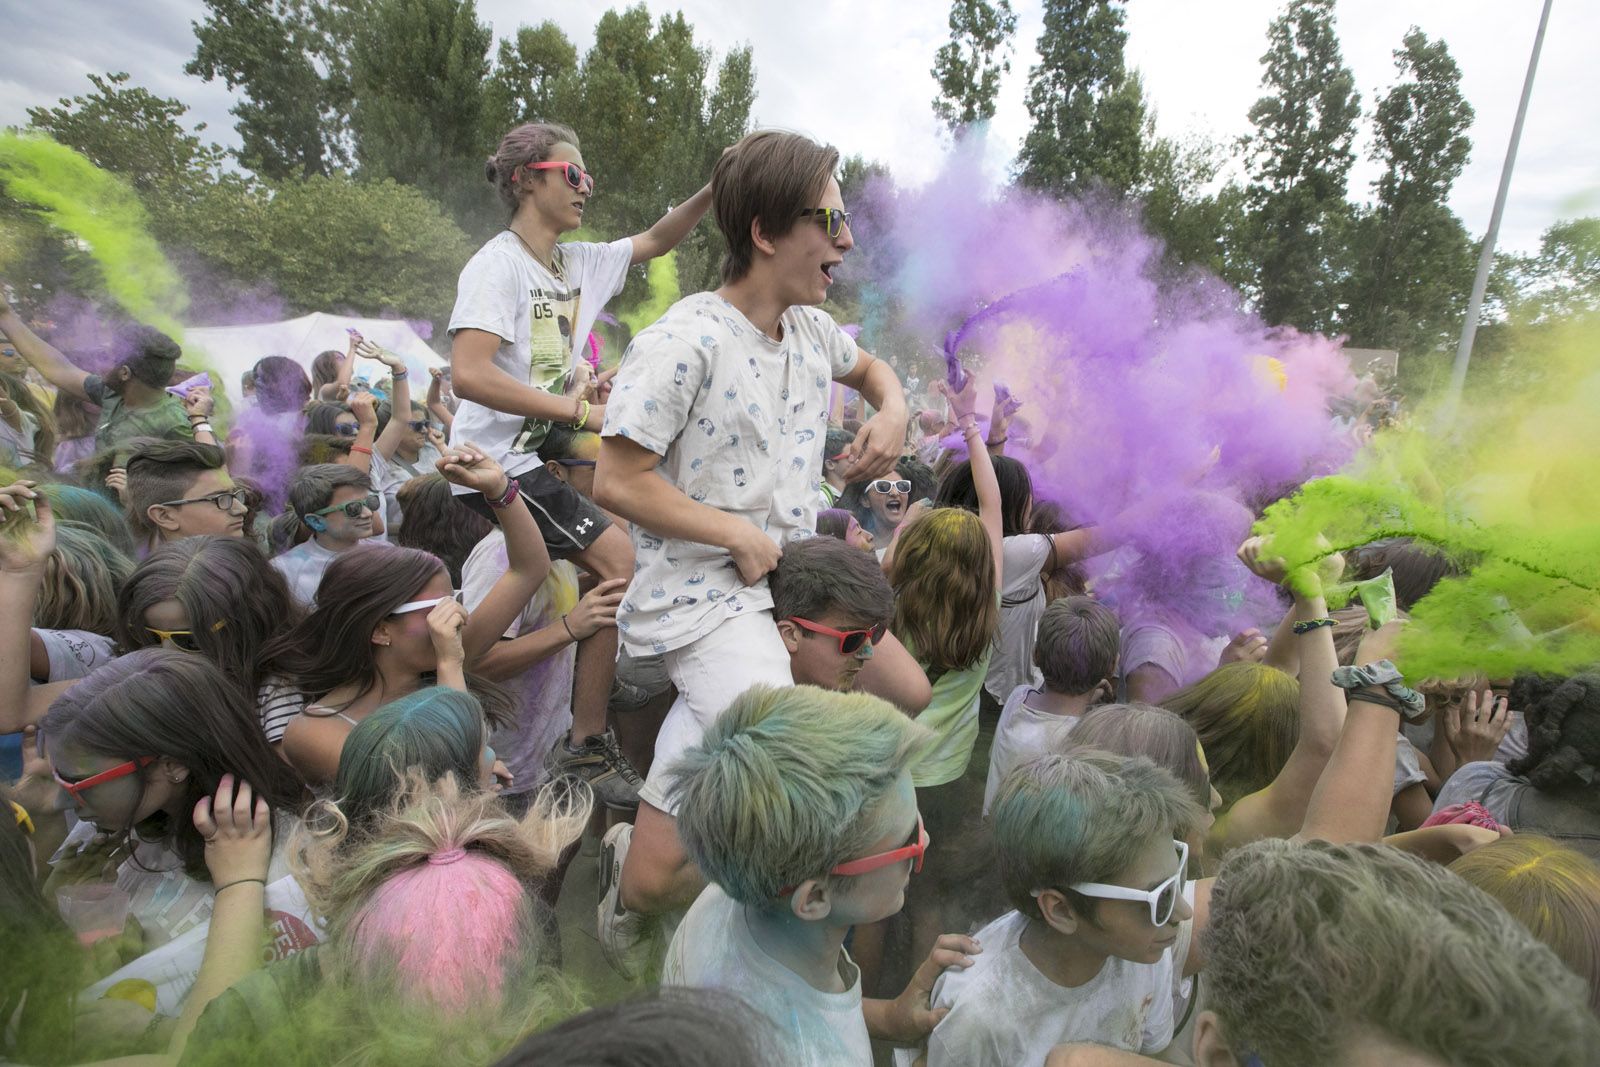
(1469, 329)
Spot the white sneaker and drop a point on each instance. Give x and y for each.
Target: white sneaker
(624, 935)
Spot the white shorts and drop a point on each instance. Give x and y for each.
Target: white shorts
(745, 650)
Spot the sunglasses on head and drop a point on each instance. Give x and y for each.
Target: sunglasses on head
(914, 851)
(850, 641)
(183, 639)
(353, 509)
(77, 788)
(225, 500)
(576, 176)
(884, 485)
(1163, 899)
(833, 220)
(347, 429)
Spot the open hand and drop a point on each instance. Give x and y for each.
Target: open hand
(237, 828)
(911, 1015)
(369, 350)
(25, 545)
(1247, 646)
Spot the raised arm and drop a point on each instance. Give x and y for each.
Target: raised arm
(435, 401)
(365, 408)
(881, 440)
(476, 378)
(399, 397)
(626, 483)
(339, 388)
(25, 545)
(527, 560)
(984, 481)
(1351, 801)
(671, 228)
(57, 369)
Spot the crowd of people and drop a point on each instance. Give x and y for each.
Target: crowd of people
(307, 699)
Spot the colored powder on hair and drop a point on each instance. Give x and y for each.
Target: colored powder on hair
(662, 278)
(1155, 405)
(1509, 492)
(104, 214)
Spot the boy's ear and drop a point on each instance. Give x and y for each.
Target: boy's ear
(1058, 913)
(790, 633)
(1210, 1043)
(811, 900)
(162, 518)
(759, 237)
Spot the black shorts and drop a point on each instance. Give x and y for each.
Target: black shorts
(569, 521)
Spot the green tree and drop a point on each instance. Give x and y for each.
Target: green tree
(1088, 112)
(1413, 259)
(289, 58)
(134, 133)
(1302, 155)
(969, 66)
(1200, 222)
(1562, 280)
(652, 124)
(527, 70)
(373, 247)
(418, 69)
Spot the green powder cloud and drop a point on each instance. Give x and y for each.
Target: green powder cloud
(1510, 493)
(105, 216)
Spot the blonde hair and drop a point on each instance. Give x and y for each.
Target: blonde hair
(1552, 890)
(451, 981)
(82, 576)
(1248, 719)
(946, 606)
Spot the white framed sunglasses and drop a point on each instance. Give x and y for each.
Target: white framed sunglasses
(1163, 899)
(424, 605)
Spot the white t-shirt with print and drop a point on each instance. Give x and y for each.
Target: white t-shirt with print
(713, 949)
(1022, 734)
(74, 653)
(542, 320)
(1004, 1012)
(303, 565)
(738, 420)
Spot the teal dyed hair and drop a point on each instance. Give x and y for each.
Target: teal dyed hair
(435, 730)
(72, 503)
(778, 790)
(82, 576)
(1083, 817)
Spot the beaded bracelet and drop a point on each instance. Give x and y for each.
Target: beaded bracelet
(582, 416)
(1302, 628)
(513, 487)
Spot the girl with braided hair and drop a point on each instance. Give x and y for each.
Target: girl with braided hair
(1555, 789)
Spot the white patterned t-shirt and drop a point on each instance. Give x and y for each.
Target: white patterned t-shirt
(738, 420)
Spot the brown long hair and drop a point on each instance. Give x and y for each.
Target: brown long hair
(332, 645)
(161, 702)
(217, 580)
(946, 606)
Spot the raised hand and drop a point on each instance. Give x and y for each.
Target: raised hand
(1247, 646)
(370, 350)
(445, 623)
(199, 402)
(365, 408)
(24, 544)
(470, 466)
(1474, 728)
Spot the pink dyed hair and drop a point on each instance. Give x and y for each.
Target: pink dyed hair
(449, 930)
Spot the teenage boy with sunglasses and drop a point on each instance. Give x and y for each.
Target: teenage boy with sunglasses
(798, 804)
(178, 489)
(338, 506)
(1090, 851)
(712, 449)
(524, 306)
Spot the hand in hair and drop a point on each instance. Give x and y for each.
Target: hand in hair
(1474, 728)
(909, 1018)
(365, 408)
(470, 465)
(25, 545)
(237, 828)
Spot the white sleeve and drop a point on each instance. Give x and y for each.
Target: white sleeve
(74, 653)
(486, 297)
(601, 270)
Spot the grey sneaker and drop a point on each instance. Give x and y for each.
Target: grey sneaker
(601, 764)
(625, 936)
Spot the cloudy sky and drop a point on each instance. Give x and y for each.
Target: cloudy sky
(855, 72)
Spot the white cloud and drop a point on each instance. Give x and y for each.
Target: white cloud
(857, 74)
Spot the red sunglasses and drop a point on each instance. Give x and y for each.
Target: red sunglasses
(122, 770)
(866, 864)
(850, 641)
(577, 177)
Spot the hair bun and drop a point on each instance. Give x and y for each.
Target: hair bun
(447, 856)
(491, 170)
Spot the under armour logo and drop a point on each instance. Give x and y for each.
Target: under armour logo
(583, 526)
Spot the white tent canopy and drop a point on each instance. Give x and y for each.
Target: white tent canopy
(229, 351)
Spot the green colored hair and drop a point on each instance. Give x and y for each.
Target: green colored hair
(436, 731)
(82, 577)
(778, 790)
(1082, 817)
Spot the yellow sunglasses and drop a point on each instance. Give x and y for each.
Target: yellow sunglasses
(24, 820)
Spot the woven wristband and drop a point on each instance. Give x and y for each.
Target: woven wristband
(1311, 624)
